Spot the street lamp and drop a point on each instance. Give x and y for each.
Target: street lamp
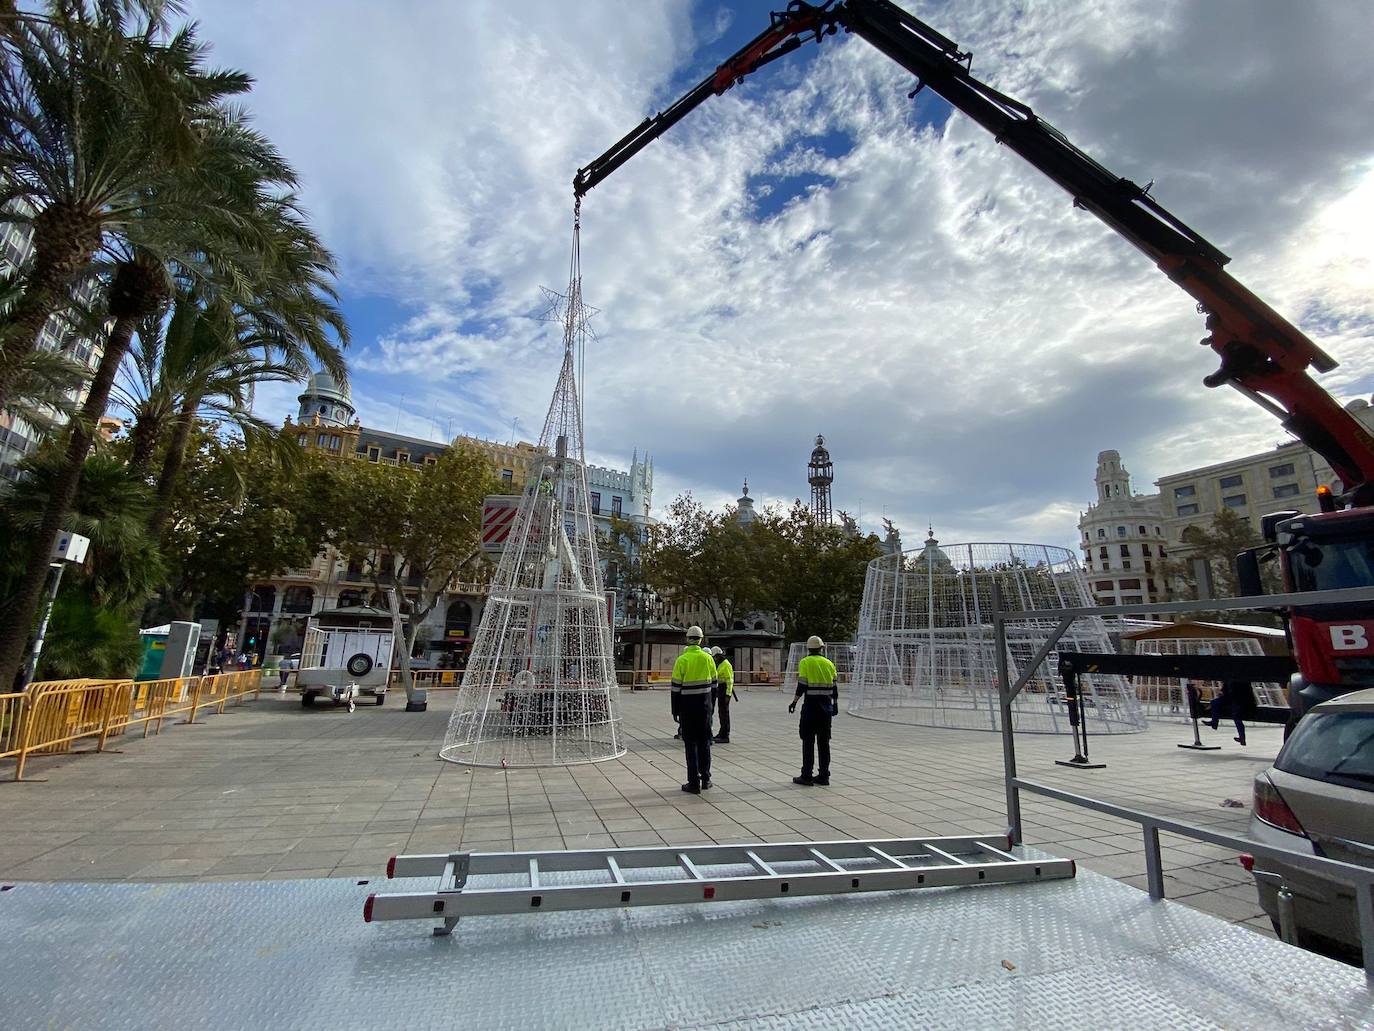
(646, 600)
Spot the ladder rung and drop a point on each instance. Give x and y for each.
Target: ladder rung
(946, 856)
(825, 860)
(888, 859)
(614, 867)
(689, 866)
(761, 866)
(996, 851)
(534, 873)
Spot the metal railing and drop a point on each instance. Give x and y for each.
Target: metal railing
(50, 716)
(637, 679)
(1359, 878)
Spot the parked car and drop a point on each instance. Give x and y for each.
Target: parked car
(1318, 797)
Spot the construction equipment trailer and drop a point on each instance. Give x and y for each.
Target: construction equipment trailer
(1262, 354)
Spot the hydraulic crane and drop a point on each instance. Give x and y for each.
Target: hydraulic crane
(1262, 354)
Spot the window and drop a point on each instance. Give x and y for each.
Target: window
(1125, 551)
(388, 564)
(615, 506)
(323, 409)
(1278, 471)
(1148, 567)
(1156, 531)
(507, 475)
(374, 453)
(1285, 490)
(1234, 501)
(1184, 492)
(596, 503)
(1332, 747)
(1121, 531)
(334, 441)
(1130, 585)
(1101, 533)
(1187, 510)
(1142, 530)
(1131, 599)
(1103, 585)
(1102, 554)
(1150, 583)
(402, 457)
(323, 439)
(1126, 563)
(1227, 482)
(431, 460)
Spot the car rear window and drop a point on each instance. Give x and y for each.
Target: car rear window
(1336, 747)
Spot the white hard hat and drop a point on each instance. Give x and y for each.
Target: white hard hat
(717, 652)
(814, 643)
(694, 633)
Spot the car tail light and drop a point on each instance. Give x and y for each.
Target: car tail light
(1273, 810)
(1247, 861)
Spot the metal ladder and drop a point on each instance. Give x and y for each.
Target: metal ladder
(488, 883)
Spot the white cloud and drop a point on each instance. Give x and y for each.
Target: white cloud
(964, 337)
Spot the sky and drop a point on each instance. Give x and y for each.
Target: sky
(813, 251)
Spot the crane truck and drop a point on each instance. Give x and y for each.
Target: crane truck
(1262, 354)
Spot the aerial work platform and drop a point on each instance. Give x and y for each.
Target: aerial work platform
(296, 954)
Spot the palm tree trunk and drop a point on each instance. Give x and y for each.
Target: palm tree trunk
(19, 612)
(171, 465)
(143, 440)
(64, 239)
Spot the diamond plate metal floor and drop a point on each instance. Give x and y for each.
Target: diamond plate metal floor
(1090, 952)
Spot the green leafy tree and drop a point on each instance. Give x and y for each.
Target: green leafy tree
(414, 528)
(711, 560)
(817, 575)
(240, 514)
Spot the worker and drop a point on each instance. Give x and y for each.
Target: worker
(725, 691)
(694, 686)
(820, 698)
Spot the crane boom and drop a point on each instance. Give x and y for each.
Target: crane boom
(1263, 355)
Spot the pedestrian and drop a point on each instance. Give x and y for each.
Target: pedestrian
(725, 691)
(1236, 702)
(694, 685)
(820, 699)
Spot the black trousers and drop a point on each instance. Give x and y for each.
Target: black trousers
(695, 725)
(725, 716)
(815, 736)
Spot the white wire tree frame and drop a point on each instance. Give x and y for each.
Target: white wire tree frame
(925, 652)
(540, 687)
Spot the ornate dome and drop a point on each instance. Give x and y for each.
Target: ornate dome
(323, 385)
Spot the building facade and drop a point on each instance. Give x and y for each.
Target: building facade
(17, 437)
(276, 610)
(1284, 477)
(1123, 539)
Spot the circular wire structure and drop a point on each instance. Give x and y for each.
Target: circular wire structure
(925, 650)
(540, 687)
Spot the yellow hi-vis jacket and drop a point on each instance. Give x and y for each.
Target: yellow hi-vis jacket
(694, 678)
(725, 676)
(816, 680)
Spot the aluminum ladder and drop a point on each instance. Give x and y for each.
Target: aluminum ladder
(488, 883)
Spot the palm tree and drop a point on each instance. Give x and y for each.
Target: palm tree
(100, 113)
(211, 228)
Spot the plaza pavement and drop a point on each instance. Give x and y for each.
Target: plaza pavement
(271, 790)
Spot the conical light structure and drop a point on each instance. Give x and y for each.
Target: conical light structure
(540, 687)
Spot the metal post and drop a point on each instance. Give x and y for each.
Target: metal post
(1154, 866)
(49, 596)
(999, 639)
(1190, 694)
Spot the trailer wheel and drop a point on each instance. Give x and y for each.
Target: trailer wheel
(307, 700)
(381, 699)
(360, 665)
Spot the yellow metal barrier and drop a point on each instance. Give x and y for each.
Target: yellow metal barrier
(50, 715)
(60, 712)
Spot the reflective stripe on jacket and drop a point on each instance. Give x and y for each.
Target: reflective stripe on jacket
(694, 673)
(816, 678)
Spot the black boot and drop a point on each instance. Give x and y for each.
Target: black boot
(691, 789)
(805, 780)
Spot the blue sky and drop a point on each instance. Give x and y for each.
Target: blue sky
(813, 251)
